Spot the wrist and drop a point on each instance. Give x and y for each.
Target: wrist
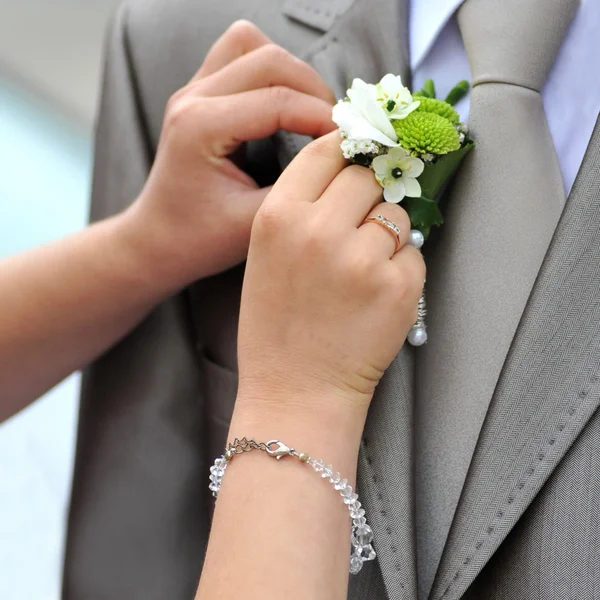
(322, 425)
(283, 389)
(150, 253)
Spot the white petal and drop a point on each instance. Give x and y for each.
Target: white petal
(382, 165)
(412, 166)
(361, 89)
(412, 187)
(365, 102)
(358, 83)
(395, 191)
(413, 106)
(401, 111)
(343, 115)
(391, 85)
(405, 97)
(355, 126)
(362, 93)
(399, 155)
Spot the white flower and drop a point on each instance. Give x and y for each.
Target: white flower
(351, 148)
(363, 117)
(395, 98)
(397, 172)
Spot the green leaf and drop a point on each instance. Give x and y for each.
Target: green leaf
(423, 213)
(436, 175)
(458, 92)
(429, 88)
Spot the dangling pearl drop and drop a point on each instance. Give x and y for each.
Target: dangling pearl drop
(417, 336)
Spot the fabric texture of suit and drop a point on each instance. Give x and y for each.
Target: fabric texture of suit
(155, 408)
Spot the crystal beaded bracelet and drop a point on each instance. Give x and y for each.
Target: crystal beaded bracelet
(361, 535)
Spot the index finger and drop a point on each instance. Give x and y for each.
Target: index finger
(241, 38)
(257, 114)
(314, 168)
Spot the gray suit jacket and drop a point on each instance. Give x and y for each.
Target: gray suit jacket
(155, 409)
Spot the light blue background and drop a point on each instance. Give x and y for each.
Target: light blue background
(45, 165)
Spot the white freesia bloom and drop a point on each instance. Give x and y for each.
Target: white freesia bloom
(395, 98)
(363, 116)
(397, 172)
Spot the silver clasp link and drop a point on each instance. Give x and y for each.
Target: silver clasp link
(280, 449)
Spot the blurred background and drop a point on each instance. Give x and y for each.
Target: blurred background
(50, 68)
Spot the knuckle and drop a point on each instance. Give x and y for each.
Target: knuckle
(363, 267)
(270, 220)
(399, 216)
(364, 180)
(175, 98)
(367, 266)
(243, 30)
(326, 147)
(179, 112)
(274, 54)
(172, 102)
(360, 172)
(315, 237)
(279, 97)
(412, 271)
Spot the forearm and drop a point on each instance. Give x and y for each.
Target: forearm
(65, 303)
(280, 530)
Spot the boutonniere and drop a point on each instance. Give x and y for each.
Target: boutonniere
(413, 142)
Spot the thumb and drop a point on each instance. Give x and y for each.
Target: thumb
(252, 201)
(232, 249)
(246, 207)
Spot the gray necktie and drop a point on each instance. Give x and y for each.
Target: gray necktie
(502, 212)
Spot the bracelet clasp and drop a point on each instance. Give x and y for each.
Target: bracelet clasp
(279, 451)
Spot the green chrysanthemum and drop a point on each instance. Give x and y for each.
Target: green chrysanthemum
(438, 107)
(426, 133)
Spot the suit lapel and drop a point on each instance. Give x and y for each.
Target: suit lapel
(369, 40)
(386, 479)
(548, 389)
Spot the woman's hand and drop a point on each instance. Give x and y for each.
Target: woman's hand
(327, 303)
(196, 210)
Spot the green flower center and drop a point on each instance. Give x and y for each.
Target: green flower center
(438, 107)
(390, 105)
(396, 172)
(426, 133)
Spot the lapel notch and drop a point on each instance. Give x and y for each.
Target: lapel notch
(318, 14)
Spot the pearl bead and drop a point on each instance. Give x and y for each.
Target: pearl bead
(416, 239)
(417, 337)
